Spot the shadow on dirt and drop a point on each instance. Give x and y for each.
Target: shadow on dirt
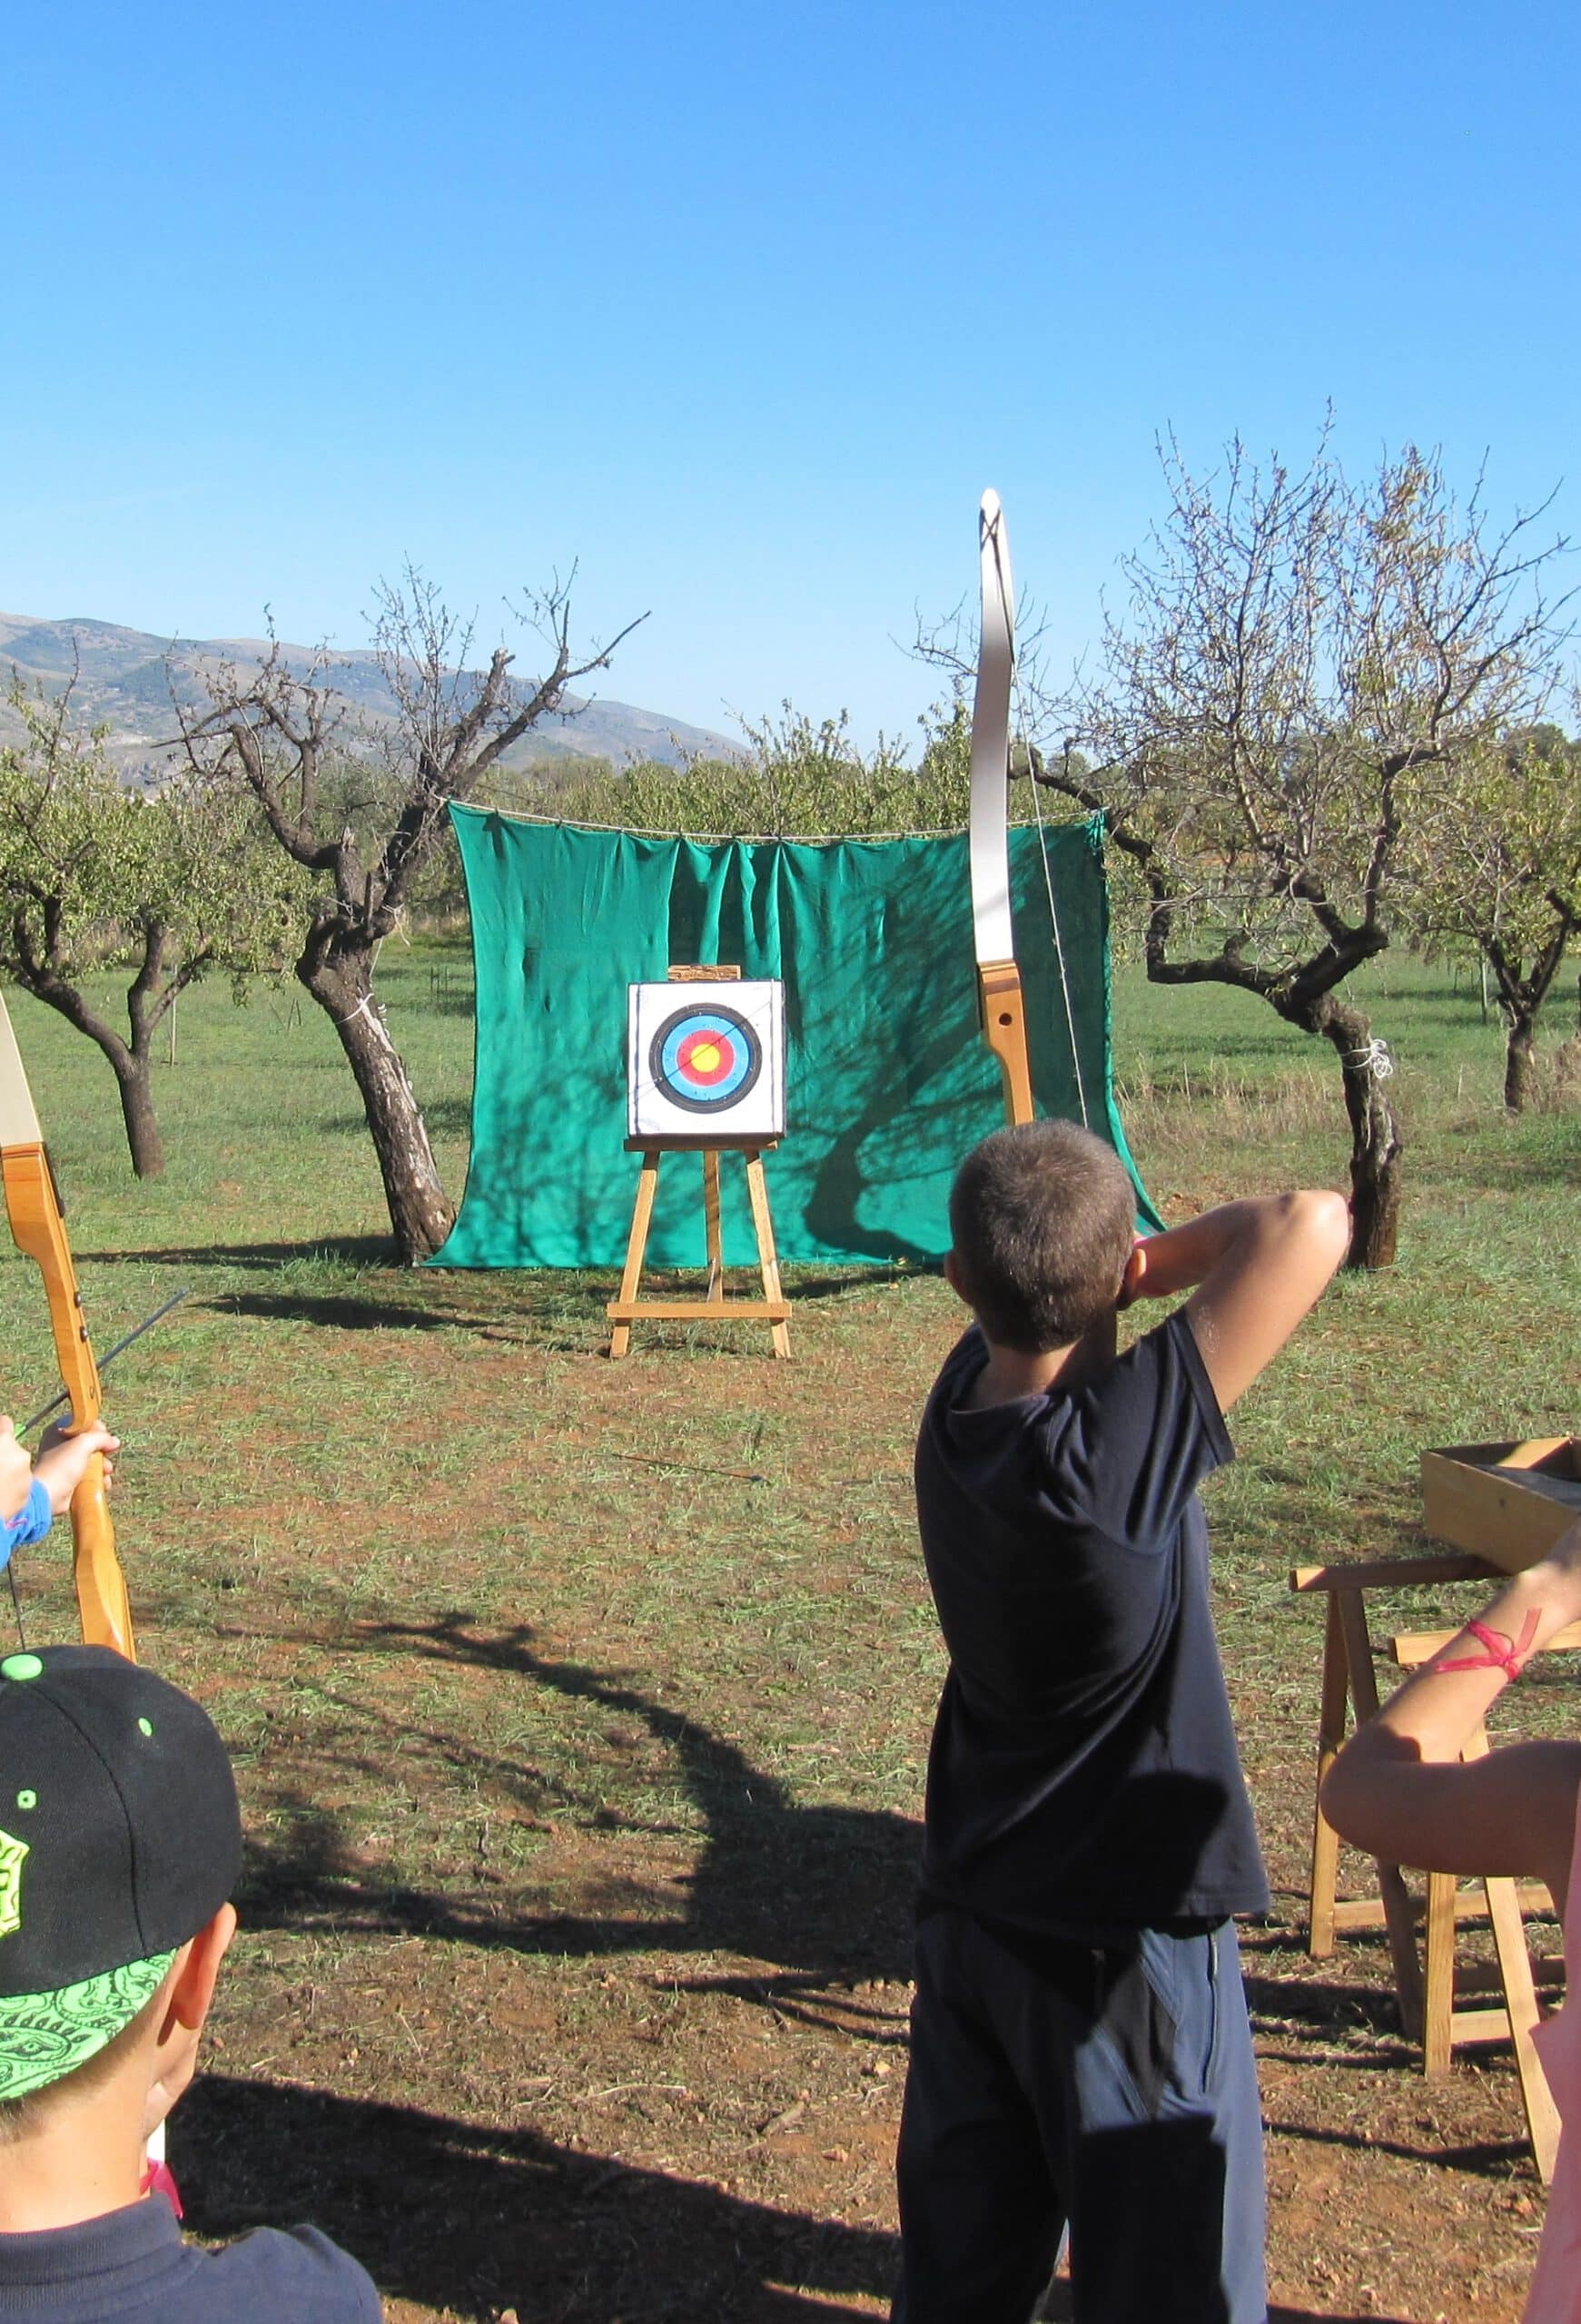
(470, 2219)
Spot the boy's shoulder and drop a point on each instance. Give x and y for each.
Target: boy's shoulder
(138, 2258)
(280, 2274)
(1117, 1452)
(1163, 1363)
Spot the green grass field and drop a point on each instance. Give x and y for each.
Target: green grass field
(581, 1770)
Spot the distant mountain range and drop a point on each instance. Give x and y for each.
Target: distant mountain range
(126, 678)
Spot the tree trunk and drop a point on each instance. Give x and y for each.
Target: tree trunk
(142, 1138)
(1376, 1140)
(146, 1000)
(129, 1064)
(420, 1215)
(1520, 1061)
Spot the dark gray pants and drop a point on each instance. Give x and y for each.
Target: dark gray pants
(1112, 2088)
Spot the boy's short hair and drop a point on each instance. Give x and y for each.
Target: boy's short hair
(1041, 1218)
(120, 1838)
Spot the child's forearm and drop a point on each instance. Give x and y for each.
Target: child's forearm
(1178, 1259)
(1441, 1705)
(1398, 1789)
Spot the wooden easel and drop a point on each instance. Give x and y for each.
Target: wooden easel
(1427, 2012)
(772, 1308)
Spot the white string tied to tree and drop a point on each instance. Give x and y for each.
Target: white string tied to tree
(1374, 1058)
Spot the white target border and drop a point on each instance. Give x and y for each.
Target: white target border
(754, 1117)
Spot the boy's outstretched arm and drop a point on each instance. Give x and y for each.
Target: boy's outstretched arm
(1258, 1267)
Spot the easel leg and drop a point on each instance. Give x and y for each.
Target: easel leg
(715, 1288)
(1520, 2002)
(642, 1219)
(1399, 1915)
(1520, 1999)
(1438, 2004)
(767, 1257)
(1330, 1737)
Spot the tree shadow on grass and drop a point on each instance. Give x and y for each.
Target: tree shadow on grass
(346, 1250)
(555, 1308)
(468, 2218)
(823, 1892)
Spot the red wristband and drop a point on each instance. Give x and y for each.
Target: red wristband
(1503, 1653)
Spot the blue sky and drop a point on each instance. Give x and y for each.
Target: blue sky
(741, 309)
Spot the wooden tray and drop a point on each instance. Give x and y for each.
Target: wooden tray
(1508, 1503)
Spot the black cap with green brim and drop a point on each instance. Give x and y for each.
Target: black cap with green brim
(120, 1838)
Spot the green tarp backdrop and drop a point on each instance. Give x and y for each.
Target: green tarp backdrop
(889, 1082)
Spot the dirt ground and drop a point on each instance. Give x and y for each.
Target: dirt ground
(573, 1984)
(710, 2135)
(668, 2085)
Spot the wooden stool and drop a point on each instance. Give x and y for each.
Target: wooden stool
(1444, 2028)
(772, 1308)
(1428, 2013)
(1349, 1684)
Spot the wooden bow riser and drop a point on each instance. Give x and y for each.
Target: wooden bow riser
(1003, 1014)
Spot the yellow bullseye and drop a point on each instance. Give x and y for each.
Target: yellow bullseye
(706, 1057)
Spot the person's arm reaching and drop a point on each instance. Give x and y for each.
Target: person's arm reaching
(1398, 1788)
(1257, 1266)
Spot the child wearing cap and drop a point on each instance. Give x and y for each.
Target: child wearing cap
(120, 1843)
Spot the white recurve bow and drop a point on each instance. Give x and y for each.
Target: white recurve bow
(998, 994)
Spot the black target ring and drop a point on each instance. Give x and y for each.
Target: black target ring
(705, 1058)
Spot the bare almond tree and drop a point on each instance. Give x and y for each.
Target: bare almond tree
(171, 885)
(1304, 666)
(1499, 865)
(283, 734)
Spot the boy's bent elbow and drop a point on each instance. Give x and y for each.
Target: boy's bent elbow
(1311, 1229)
(1324, 1217)
(1368, 1791)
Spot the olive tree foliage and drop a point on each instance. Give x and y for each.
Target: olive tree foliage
(1305, 669)
(361, 812)
(92, 875)
(1495, 860)
(797, 778)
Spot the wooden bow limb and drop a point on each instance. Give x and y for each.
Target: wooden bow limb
(38, 1230)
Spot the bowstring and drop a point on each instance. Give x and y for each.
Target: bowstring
(1018, 706)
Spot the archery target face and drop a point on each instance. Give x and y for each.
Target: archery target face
(705, 1060)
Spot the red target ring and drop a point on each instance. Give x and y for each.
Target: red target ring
(704, 1059)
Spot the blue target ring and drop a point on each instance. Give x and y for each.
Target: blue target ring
(704, 1060)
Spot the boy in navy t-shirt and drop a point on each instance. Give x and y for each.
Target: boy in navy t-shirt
(1081, 2053)
(120, 1843)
